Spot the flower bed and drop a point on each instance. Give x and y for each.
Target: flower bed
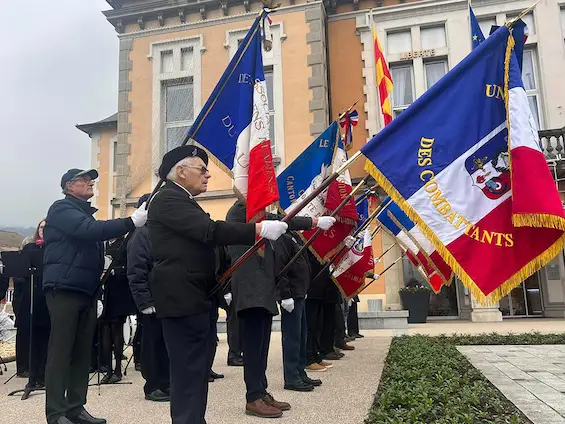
(426, 380)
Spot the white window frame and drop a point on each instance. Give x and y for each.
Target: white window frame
(160, 81)
(537, 92)
(402, 108)
(431, 62)
(271, 59)
(174, 124)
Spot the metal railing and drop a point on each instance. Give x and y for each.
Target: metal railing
(553, 146)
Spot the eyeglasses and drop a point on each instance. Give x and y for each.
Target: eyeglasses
(203, 170)
(84, 179)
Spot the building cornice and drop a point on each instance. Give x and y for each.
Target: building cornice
(412, 10)
(129, 17)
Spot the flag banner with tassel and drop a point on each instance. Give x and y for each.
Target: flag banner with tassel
(418, 258)
(328, 242)
(464, 163)
(306, 173)
(353, 264)
(426, 251)
(233, 126)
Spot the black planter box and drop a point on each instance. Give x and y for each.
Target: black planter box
(417, 304)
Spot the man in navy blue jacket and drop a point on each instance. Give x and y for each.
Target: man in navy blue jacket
(72, 266)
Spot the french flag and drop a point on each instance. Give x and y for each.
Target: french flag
(398, 225)
(349, 273)
(328, 242)
(465, 165)
(233, 126)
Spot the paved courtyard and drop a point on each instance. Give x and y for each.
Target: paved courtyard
(345, 396)
(532, 377)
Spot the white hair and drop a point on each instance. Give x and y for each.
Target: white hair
(171, 176)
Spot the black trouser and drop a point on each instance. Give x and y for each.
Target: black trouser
(190, 341)
(22, 343)
(339, 326)
(73, 320)
(353, 320)
(112, 332)
(314, 321)
(235, 337)
(328, 329)
(214, 347)
(137, 341)
(294, 336)
(256, 326)
(38, 358)
(154, 357)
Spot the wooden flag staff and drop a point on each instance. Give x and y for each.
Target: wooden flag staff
(309, 242)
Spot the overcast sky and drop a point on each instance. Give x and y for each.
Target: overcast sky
(59, 68)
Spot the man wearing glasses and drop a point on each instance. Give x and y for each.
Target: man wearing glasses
(183, 238)
(73, 263)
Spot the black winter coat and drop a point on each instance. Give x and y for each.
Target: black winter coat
(140, 265)
(183, 238)
(4, 284)
(253, 283)
(74, 253)
(22, 297)
(118, 300)
(295, 283)
(317, 289)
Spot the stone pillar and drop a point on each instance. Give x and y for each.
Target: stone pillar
(394, 279)
(480, 313)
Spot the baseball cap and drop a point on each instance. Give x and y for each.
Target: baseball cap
(75, 172)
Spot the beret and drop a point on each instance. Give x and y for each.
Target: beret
(174, 156)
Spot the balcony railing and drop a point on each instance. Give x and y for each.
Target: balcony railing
(553, 144)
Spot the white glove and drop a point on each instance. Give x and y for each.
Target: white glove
(228, 298)
(272, 230)
(139, 216)
(149, 311)
(325, 222)
(99, 309)
(349, 241)
(350, 302)
(288, 305)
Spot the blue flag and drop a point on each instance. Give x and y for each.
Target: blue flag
(520, 34)
(477, 36)
(307, 171)
(446, 160)
(362, 209)
(228, 110)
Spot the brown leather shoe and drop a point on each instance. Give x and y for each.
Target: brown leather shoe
(260, 408)
(345, 346)
(270, 400)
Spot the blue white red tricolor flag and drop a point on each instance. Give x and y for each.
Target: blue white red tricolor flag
(326, 244)
(234, 126)
(347, 122)
(349, 273)
(464, 163)
(417, 248)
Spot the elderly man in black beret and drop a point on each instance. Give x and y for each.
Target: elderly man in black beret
(183, 238)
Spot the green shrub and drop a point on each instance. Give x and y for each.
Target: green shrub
(426, 380)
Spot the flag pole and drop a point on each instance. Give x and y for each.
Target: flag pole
(385, 252)
(375, 214)
(318, 231)
(190, 134)
(377, 276)
(286, 218)
(522, 14)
